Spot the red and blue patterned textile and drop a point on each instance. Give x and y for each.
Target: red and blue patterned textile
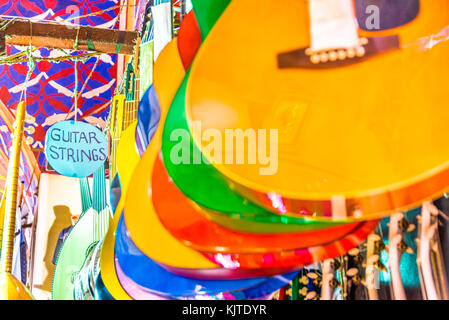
(51, 86)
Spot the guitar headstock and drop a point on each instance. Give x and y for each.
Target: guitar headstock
(330, 283)
(433, 280)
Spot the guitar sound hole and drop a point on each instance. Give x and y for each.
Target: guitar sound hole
(392, 13)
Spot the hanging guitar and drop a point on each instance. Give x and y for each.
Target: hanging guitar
(72, 254)
(310, 77)
(396, 248)
(87, 232)
(84, 283)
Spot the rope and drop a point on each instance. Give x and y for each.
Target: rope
(75, 46)
(75, 90)
(80, 57)
(84, 85)
(31, 64)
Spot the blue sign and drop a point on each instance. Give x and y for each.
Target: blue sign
(75, 149)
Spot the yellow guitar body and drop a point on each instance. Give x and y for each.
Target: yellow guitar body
(358, 140)
(127, 160)
(13, 289)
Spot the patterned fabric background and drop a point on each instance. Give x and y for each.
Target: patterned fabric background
(51, 87)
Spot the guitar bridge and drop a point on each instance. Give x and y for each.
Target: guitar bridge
(306, 58)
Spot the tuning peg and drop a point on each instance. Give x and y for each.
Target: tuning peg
(380, 246)
(410, 228)
(357, 279)
(373, 259)
(434, 246)
(352, 272)
(311, 295)
(334, 283)
(315, 277)
(354, 252)
(379, 265)
(403, 246)
(317, 282)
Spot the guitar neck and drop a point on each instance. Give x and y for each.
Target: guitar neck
(428, 229)
(127, 118)
(395, 238)
(327, 290)
(12, 192)
(131, 107)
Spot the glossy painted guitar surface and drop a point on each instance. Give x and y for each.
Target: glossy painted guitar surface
(107, 263)
(127, 159)
(139, 212)
(156, 247)
(243, 221)
(13, 289)
(145, 229)
(187, 223)
(300, 257)
(207, 13)
(219, 197)
(367, 138)
(130, 156)
(159, 245)
(156, 280)
(189, 40)
(211, 191)
(260, 292)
